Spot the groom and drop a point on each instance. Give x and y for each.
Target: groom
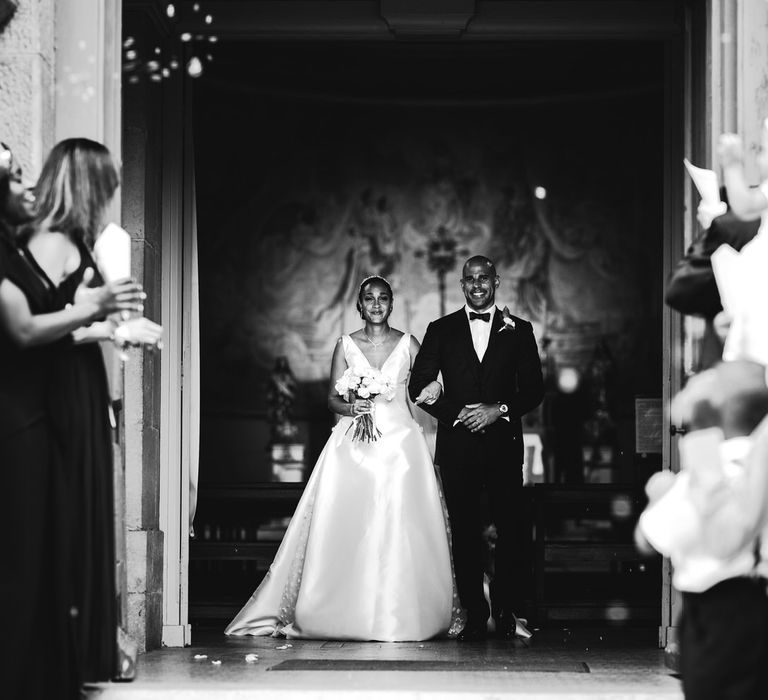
(492, 377)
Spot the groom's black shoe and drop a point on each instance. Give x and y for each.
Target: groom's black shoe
(472, 633)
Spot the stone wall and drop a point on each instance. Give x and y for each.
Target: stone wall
(27, 83)
(142, 217)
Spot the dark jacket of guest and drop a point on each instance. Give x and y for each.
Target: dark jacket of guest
(691, 288)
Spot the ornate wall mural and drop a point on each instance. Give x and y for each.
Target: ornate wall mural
(343, 190)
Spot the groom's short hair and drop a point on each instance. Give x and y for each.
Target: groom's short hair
(479, 259)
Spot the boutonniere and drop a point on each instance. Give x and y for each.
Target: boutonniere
(509, 322)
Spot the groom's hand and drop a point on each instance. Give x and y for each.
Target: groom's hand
(462, 414)
(478, 418)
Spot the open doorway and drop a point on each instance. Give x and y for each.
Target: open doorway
(317, 164)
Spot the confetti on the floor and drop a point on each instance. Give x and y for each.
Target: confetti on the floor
(285, 646)
(201, 656)
(251, 658)
(216, 662)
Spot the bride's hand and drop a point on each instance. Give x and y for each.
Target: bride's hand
(361, 406)
(430, 393)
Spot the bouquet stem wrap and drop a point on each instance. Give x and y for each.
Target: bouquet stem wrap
(365, 428)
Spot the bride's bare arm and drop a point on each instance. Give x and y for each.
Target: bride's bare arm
(336, 403)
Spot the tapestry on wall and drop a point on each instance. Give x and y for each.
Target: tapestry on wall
(339, 192)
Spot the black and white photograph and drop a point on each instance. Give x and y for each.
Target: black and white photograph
(384, 349)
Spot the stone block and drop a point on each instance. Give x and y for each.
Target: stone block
(31, 30)
(144, 550)
(26, 117)
(137, 619)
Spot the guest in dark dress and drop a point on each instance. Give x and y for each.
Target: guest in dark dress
(75, 189)
(37, 628)
(28, 512)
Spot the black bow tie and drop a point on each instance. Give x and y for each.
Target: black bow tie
(483, 317)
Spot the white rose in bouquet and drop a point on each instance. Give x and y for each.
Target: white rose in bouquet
(364, 383)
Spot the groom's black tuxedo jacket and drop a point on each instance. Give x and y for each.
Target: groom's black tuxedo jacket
(510, 373)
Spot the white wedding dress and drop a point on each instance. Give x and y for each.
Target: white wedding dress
(366, 555)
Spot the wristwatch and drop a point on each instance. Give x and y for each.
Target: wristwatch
(503, 409)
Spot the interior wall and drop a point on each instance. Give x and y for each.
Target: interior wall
(349, 170)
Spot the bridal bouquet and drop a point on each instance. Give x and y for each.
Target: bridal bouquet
(364, 383)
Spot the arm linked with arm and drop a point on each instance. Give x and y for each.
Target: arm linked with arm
(425, 369)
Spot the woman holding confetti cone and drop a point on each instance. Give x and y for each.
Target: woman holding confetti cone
(75, 189)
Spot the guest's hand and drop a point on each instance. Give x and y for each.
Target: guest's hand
(463, 414)
(125, 295)
(730, 150)
(138, 331)
(706, 213)
(659, 484)
(722, 324)
(693, 406)
(479, 417)
(643, 545)
(430, 393)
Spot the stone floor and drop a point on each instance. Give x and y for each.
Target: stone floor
(558, 664)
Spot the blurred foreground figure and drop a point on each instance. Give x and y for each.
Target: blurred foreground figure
(36, 623)
(692, 289)
(40, 620)
(712, 518)
(75, 189)
(742, 281)
(708, 519)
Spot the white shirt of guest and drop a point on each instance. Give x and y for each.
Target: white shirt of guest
(481, 330)
(748, 335)
(673, 526)
(736, 450)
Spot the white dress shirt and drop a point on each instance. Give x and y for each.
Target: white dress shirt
(674, 525)
(481, 330)
(481, 336)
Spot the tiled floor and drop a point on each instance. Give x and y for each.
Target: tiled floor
(554, 663)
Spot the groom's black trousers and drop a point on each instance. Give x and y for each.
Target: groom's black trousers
(480, 490)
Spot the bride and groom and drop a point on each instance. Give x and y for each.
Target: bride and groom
(371, 550)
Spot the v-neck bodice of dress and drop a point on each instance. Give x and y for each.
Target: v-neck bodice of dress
(396, 368)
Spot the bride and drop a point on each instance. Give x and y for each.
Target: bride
(366, 555)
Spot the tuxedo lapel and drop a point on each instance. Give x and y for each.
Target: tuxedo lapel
(464, 336)
(494, 341)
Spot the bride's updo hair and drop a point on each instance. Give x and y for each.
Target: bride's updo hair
(367, 281)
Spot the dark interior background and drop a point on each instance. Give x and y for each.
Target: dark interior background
(318, 164)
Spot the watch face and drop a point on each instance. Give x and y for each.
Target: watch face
(503, 408)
